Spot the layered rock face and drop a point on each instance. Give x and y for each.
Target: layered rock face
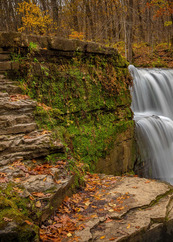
(21, 142)
(19, 136)
(95, 87)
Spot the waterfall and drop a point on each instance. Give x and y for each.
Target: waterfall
(152, 104)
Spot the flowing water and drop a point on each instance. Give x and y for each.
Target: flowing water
(152, 104)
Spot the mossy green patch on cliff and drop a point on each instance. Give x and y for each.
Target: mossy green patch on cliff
(16, 212)
(87, 101)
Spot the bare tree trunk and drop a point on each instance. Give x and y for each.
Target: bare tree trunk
(89, 20)
(130, 31)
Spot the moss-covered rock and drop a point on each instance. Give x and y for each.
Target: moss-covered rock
(15, 213)
(87, 100)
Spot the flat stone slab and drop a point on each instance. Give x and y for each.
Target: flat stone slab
(145, 204)
(116, 209)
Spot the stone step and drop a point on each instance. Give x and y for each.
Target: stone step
(4, 94)
(10, 88)
(5, 66)
(22, 146)
(16, 107)
(7, 121)
(4, 81)
(2, 76)
(8, 65)
(4, 56)
(19, 128)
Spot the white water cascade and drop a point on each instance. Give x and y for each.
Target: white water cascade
(152, 104)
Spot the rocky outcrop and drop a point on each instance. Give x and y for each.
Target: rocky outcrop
(19, 137)
(18, 40)
(136, 209)
(84, 96)
(21, 142)
(121, 157)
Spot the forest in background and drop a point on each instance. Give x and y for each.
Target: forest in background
(110, 22)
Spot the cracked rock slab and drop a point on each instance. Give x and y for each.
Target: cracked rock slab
(146, 213)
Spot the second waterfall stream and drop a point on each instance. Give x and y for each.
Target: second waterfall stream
(152, 104)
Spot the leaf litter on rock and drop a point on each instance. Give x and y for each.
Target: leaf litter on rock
(82, 207)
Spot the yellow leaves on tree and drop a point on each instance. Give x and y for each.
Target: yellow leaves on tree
(76, 35)
(34, 20)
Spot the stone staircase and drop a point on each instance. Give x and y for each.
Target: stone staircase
(21, 142)
(5, 63)
(19, 136)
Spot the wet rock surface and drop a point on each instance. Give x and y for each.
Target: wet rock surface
(115, 209)
(144, 213)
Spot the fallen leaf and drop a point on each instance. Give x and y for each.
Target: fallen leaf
(3, 174)
(38, 194)
(111, 210)
(121, 208)
(114, 238)
(102, 237)
(137, 227)
(28, 222)
(87, 203)
(3, 179)
(69, 235)
(17, 180)
(18, 190)
(45, 132)
(27, 137)
(147, 182)
(44, 106)
(7, 219)
(31, 198)
(44, 179)
(128, 226)
(38, 204)
(94, 216)
(108, 220)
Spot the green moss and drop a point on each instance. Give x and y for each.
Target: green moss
(89, 102)
(18, 213)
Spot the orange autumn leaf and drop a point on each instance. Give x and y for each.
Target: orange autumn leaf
(102, 237)
(3, 179)
(38, 194)
(28, 222)
(31, 198)
(128, 226)
(45, 179)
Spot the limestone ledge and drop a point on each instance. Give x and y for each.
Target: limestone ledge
(14, 39)
(146, 215)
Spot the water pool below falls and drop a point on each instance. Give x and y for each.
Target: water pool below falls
(152, 104)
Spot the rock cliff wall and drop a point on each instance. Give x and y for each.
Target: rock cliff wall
(86, 87)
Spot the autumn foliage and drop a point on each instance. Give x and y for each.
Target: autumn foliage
(34, 20)
(161, 7)
(76, 35)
